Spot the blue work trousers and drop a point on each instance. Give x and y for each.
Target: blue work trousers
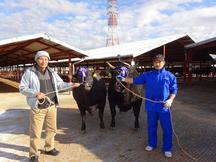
(166, 125)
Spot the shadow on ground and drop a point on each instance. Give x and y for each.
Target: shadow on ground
(193, 115)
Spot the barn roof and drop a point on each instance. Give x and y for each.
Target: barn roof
(133, 49)
(141, 50)
(21, 50)
(203, 50)
(174, 48)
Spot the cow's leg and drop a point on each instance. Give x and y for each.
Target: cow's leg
(113, 114)
(100, 114)
(136, 109)
(83, 116)
(101, 107)
(83, 127)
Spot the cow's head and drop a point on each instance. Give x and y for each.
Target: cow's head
(128, 71)
(118, 70)
(83, 76)
(123, 71)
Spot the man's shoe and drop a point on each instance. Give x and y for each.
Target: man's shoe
(148, 148)
(168, 154)
(52, 152)
(33, 159)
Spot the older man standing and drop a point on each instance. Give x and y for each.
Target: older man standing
(36, 82)
(161, 89)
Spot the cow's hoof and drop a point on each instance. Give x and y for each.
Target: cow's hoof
(83, 131)
(136, 129)
(102, 126)
(112, 128)
(112, 124)
(83, 127)
(136, 125)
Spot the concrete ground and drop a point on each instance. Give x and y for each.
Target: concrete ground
(194, 121)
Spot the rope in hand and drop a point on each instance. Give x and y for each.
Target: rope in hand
(46, 98)
(175, 134)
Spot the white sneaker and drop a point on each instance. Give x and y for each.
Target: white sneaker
(168, 154)
(148, 148)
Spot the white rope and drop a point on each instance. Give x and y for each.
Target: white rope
(175, 134)
(178, 141)
(58, 90)
(46, 98)
(147, 99)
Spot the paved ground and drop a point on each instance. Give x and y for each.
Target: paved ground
(194, 114)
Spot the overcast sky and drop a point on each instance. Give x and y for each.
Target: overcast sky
(83, 23)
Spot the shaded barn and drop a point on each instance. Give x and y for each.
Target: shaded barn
(18, 53)
(201, 60)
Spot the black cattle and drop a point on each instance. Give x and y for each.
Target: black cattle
(122, 98)
(91, 93)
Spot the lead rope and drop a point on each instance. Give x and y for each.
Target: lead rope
(175, 134)
(46, 98)
(178, 142)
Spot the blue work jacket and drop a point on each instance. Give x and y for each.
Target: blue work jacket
(159, 85)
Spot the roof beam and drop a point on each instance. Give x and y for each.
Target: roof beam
(56, 47)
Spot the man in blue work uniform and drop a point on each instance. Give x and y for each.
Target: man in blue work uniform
(161, 88)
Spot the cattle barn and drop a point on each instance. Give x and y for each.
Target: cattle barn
(18, 53)
(201, 60)
(141, 52)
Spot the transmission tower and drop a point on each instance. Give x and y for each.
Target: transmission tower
(112, 12)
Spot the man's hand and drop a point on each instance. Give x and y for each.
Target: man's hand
(75, 85)
(40, 95)
(168, 103)
(120, 78)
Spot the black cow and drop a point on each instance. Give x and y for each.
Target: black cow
(91, 93)
(119, 96)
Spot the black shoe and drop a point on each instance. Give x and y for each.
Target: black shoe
(52, 152)
(33, 159)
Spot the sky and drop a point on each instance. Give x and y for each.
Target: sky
(83, 23)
